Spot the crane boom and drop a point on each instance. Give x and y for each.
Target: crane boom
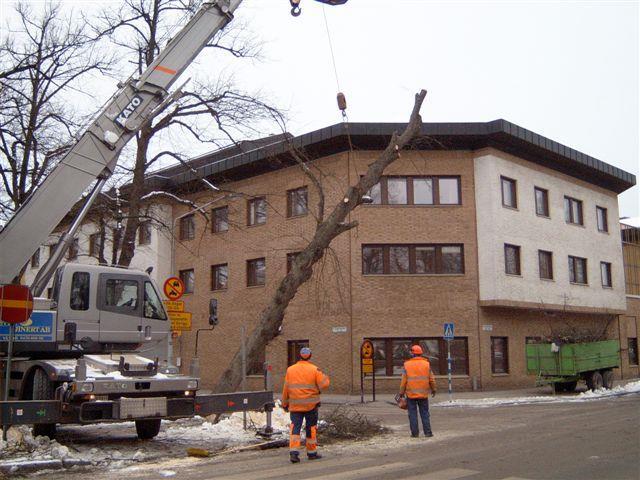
(95, 154)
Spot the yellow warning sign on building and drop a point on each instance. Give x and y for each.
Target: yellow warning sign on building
(180, 321)
(174, 305)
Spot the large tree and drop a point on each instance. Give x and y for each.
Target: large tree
(327, 229)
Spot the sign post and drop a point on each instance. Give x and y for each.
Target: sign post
(448, 336)
(366, 367)
(16, 305)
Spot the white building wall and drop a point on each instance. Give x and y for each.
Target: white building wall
(497, 225)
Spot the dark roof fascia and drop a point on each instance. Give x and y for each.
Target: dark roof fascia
(499, 134)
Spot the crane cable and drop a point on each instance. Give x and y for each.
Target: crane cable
(342, 102)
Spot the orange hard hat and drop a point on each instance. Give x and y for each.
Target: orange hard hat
(416, 350)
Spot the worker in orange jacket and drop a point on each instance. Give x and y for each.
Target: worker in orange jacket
(417, 382)
(301, 397)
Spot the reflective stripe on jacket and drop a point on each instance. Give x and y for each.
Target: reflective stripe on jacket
(302, 386)
(417, 378)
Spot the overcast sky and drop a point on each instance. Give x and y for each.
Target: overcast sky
(568, 70)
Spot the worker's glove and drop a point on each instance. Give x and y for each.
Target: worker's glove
(433, 393)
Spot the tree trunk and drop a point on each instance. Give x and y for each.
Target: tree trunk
(302, 269)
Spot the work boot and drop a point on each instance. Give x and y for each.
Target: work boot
(294, 457)
(415, 436)
(314, 456)
(428, 434)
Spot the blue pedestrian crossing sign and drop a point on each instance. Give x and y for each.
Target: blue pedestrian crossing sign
(448, 331)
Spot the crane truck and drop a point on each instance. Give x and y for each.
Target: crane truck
(77, 358)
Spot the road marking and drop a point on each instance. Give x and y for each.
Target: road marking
(448, 474)
(366, 472)
(515, 478)
(290, 469)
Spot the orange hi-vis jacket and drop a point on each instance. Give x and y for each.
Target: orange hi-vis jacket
(302, 386)
(417, 378)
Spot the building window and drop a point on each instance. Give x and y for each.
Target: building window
(144, 233)
(605, 274)
(509, 192)
(577, 270)
(391, 353)
(291, 257)
(573, 211)
(72, 253)
(293, 350)
(633, 350)
(35, 259)
(601, 216)
(420, 190)
(219, 276)
(256, 272)
(188, 277)
(188, 227)
(220, 219)
(542, 202)
(512, 259)
(297, 202)
(545, 264)
(499, 355)
(95, 245)
(631, 258)
(257, 211)
(412, 259)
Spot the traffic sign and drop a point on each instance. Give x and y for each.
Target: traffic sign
(173, 288)
(180, 321)
(16, 303)
(366, 350)
(174, 306)
(448, 331)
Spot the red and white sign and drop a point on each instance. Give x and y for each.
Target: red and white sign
(16, 303)
(173, 288)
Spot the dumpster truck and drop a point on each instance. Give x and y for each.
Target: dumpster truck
(563, 365)
(79, 357)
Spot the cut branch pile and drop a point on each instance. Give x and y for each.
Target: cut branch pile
(345, 423)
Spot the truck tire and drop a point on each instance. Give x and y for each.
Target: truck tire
(594, 381)
(607, 379)
(43, 389)
(147, 429)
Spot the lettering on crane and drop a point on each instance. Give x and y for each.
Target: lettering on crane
(124, 115)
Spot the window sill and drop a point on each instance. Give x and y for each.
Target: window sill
(508, 207)
(219, 290)
(256, 286)
(543, 216)
(607, 287)
(581, 225)
(500, 374)
(517, 275)
(412, 275)
(221, 232)
(550, 280)
(579, 284)
(302, 215)
(604, 231)
(256, 225)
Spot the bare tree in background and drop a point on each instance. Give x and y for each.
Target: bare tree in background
(327, 228)
(211, 111)
(44, 56)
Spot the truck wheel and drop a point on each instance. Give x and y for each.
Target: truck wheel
(594, 381)
(43, 389)
(147, 429)
(607, 379)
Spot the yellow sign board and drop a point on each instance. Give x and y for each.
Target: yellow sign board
(180, 320)
(174, 305)
(367, 368)
(367, 361)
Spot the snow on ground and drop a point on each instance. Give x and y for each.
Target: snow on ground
(631, 387)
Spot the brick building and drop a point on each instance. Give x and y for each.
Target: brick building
(506, 234)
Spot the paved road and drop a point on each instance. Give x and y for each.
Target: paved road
(590, 440)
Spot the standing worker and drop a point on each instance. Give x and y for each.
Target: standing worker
(301, 396)
(417, 381)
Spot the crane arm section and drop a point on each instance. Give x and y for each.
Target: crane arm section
(95, 154)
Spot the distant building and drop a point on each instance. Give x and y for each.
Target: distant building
(629, 325)
(507, 234)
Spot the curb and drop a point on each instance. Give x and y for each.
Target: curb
(36, 465)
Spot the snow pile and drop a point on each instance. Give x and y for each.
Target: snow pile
(22, 445)
(629, 388)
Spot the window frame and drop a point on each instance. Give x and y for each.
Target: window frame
(189, 286)
(550, 256)
(505, 360)
(568, 212)
(251, 272)
(518, 251)
(438, 261)
(605, 219)
(252, 215)
(573, 270)
(292, 196)
(214, 219)
(144, 233)
(545, 194)
(513, 183)
(215, 285)
(410, 192)
(632, 347)
(608, 273)
(188, 227)
(293, 350)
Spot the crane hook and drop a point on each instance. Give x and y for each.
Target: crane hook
(295, 8)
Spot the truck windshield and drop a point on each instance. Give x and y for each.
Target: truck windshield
(152, 304)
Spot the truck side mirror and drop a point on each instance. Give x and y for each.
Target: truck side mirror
(213, 312)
